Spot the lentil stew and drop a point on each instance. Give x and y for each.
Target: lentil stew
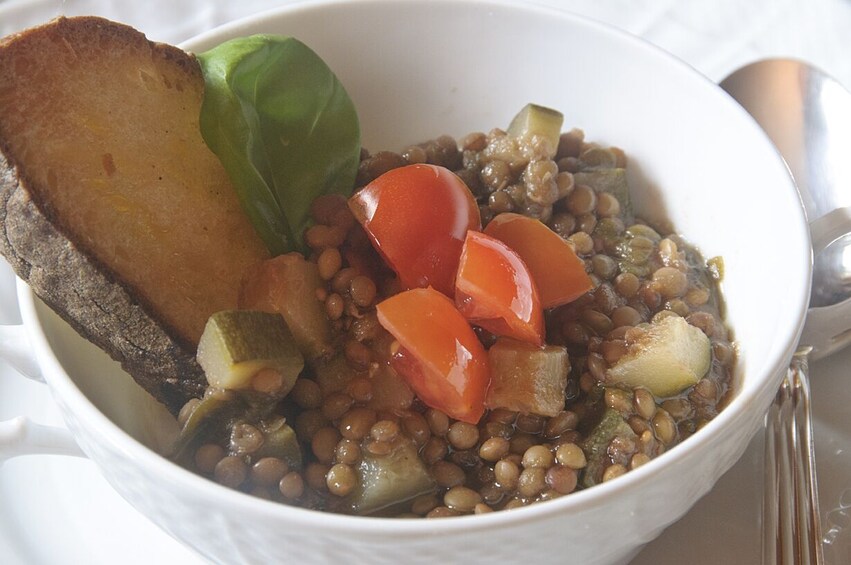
(350, 435)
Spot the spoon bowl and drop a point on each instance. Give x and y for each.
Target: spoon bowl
(807, 115)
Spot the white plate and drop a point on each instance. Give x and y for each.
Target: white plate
(60, 510)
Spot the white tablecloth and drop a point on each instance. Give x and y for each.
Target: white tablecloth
(715, 36)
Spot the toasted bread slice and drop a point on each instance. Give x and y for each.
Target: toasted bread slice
(111, 205)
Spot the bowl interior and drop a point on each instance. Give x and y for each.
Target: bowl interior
(416, 70)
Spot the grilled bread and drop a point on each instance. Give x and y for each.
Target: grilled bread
(112, 207)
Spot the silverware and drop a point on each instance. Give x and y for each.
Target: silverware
(792, 532)
(807, 115)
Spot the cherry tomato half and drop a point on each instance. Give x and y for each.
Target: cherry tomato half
(558, 273)
(440, 356)
(495, 290)
(417, 217)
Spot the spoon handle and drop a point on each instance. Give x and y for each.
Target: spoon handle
(792, 530)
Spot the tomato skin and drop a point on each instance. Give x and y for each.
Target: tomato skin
(417, 217)
(439, 356)
(495, 290)
(558, 272)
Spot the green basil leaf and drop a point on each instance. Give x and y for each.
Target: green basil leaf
(284, 128)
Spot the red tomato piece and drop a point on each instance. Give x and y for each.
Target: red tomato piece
(417, 217)
(439, 356)
(495, 290)
(559, 274)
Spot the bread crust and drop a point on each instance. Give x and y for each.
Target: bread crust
(80, 290)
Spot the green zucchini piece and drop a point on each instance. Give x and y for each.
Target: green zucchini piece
(596, 445)
(281, 442)
(207, 423)
(608, 180)
(388, 480)
(538, 120)
(237, 344)
(671, 356)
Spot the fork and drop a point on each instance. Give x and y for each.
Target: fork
(791, 519)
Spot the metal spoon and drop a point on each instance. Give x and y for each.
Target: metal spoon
(807, 115)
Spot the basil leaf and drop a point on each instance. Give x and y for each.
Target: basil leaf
(284, 129)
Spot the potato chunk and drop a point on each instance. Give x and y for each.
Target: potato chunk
(527, 378)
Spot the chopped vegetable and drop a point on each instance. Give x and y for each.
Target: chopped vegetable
(494, 290)
(238, 345)
(538, 120)
(608, 180)
(207, 421)
(280, 441)
(333, 373)
(390, 391)
(387, 480)
(557, 271)
(527, 378)
(596, 445)
(439, 355)
(669, 357)
(287, 284)
(284, 129)
(417, 217)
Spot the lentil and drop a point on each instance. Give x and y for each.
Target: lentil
(336, 404)
(494, 449)
(314, 476)
(268, 471)
(447, 474)
(424, 504)
(245, 439)
(324, 444)
(416, 427)
(360, 389)
(613, 472)
(434, 450)
(341, 479)
(532, 481)
(291, 485)
(334, 306)
(664, 427)
(561, 479)
(363, 290)
(384, 430)
(438, 422)
(571, 455)
(537, 456)
(441, 512)
(357, 422)
(529, 423)
(231, 471)
(347, 451)
(506, 473)
(207, 457)
(461, 499)
(329, 263)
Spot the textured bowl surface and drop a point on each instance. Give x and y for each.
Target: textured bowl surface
(420, 69)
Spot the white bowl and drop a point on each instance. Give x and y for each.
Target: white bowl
(420, 69)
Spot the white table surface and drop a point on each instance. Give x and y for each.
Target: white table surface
(58, 511)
